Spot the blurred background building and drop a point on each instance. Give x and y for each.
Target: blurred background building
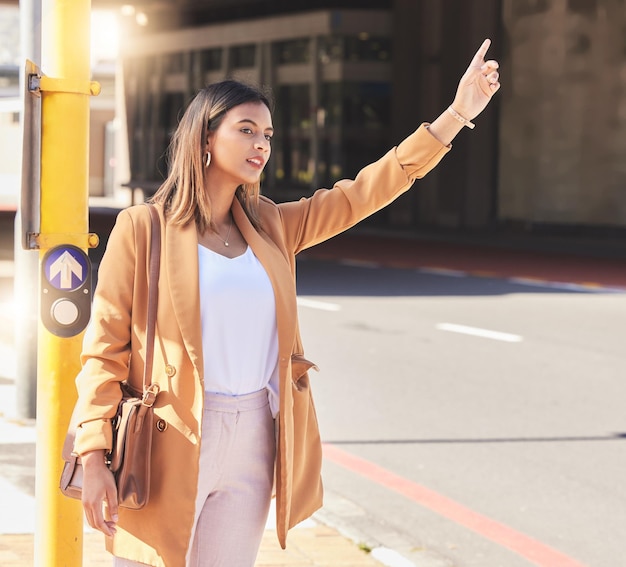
(102, 108)
(351, 79)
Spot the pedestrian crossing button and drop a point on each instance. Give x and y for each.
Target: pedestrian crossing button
(64, 312)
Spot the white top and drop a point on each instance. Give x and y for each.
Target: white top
(239, 333)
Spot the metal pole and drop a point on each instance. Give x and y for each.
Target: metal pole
(64, 219)
(27, 263)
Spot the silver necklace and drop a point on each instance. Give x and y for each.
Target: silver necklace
(230, 226)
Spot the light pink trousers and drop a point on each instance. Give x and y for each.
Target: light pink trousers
(235, 482)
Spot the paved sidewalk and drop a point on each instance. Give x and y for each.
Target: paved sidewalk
(310, 546)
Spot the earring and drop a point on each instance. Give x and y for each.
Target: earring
(208, 159)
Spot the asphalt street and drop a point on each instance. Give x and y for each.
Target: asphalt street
(505, 400)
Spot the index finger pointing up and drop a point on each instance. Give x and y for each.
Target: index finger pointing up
(479, 58)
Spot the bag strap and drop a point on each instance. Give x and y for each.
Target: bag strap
(149, 390)
(153, 290)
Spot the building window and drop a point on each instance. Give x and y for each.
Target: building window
(243, 56)
(366, 48)
(331, 48)
(361, 47)
(296, 51)
(8, 81)
(173, 63)
(211, 59)
(292, 143)
(365, 105)
(170, 110)
(353, 127)
(352, 124)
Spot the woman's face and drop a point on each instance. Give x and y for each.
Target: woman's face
(240, 147)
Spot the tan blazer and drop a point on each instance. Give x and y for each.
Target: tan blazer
(114, 347)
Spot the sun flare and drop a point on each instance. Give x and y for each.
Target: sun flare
(104, 35)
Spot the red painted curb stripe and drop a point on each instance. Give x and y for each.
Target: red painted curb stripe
(529, 548)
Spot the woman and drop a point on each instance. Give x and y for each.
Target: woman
(235, 409)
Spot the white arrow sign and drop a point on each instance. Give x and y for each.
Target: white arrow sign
(66, 265)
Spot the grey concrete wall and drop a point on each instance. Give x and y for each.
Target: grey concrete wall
(563, 112)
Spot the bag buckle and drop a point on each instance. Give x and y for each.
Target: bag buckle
(149, 396)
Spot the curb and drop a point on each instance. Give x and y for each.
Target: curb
(529, 280)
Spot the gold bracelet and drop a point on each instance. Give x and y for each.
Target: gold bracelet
(460, 118)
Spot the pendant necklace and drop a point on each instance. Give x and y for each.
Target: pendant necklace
(230, 226)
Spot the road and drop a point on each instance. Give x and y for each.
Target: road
(519, 432)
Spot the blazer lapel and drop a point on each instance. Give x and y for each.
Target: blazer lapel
(181, 260)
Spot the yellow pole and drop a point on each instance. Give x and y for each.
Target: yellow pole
(64, 211)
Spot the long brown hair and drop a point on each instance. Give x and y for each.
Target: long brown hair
(182, 193)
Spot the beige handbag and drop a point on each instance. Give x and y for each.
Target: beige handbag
(129, 459)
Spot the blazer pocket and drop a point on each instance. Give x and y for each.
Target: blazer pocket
(300, 366)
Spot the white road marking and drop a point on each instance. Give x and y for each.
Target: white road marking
(321, 305)
(477, 332)
(390, 558)
(354, 263)
(443, 272)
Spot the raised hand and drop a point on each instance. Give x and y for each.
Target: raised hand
(477, 85)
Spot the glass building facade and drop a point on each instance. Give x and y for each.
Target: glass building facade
(329, 72)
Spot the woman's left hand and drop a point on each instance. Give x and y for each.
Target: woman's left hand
(479, 83)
